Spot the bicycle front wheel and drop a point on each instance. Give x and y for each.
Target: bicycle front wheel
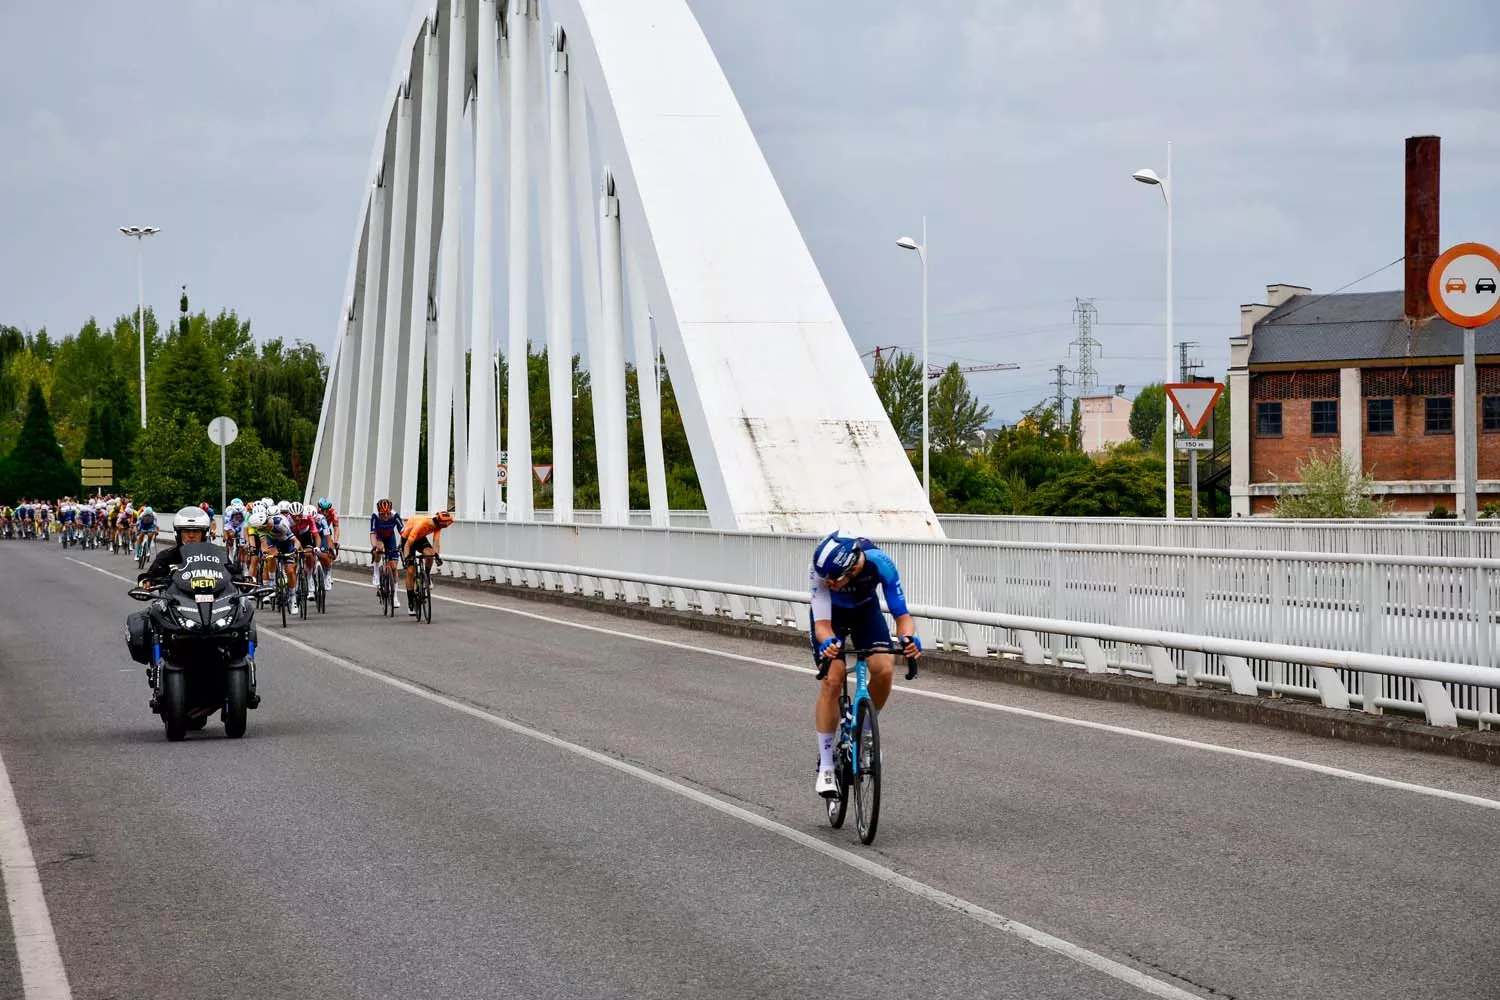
(867, 775)
(426, 595)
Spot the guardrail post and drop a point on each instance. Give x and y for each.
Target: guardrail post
(653, 595)
(1277, 614)
(1436, 703)
(1372, 609)
(1241, 680)
(1330, 687)
(1192, 660)
(1484, 639)
(1163, 670)
(736, 607)
(1093, 656)
(1031, 649)
(1058, 599)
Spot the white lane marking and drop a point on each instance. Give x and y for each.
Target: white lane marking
(1267, 758)
(1077, 953)
(42, 974)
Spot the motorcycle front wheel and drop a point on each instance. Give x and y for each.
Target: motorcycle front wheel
(236, 702)
(174, 705)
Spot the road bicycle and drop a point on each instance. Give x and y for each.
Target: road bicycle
(857, 759)
(421, 598)
(385, 592)
(283, 595)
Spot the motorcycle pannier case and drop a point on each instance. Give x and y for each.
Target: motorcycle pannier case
(139, 637)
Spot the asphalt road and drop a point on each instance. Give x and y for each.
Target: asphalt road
(548, 810)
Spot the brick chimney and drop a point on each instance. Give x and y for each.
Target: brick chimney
(1423, 162)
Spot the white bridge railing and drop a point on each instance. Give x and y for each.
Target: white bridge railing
(1416, 634)
(1385, 536)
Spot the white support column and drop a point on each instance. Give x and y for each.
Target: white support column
(359, 499)
(388, 375)
(649, 393)
(441, 436)
(343, 407)
(482, 444)
(1351, 420)
(609, 371)
(560, 288)
(585, 214)
(518, 492)
(421, 273)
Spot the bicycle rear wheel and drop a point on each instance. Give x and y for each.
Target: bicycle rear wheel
(320, 587)
(867, 780)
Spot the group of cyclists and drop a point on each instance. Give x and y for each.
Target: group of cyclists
(302, 538)
(113, 521)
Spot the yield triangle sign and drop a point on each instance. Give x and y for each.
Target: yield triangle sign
(1194, 401)
(542, 472)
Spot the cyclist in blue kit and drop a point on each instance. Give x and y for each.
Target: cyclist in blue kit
(844, 578)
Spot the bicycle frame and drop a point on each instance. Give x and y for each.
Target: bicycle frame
(851, 707)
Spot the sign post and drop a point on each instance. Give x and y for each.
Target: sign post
(222, 431)
(1194, 401)
(1464, 285)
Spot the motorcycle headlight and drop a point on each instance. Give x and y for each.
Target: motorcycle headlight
(184, 619)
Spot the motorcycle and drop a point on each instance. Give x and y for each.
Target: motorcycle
(197, 640)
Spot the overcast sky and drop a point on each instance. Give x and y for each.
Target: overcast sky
(244, 130)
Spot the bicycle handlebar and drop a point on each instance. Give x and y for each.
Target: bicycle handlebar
(911, 662)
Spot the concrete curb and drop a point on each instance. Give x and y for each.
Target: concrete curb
(1295, 715)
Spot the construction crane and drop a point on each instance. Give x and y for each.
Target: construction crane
(936, 371)
(877, 352)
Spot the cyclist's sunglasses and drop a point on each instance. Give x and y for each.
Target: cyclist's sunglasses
(848, 574)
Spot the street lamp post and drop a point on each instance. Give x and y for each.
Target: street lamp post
(140, 233)
(1148, 176)
(907, 243)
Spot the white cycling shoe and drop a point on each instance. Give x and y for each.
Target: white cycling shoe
(826, 784)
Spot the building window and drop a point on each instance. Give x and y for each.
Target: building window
(1491, 413)
(1380, 416)
(1325, 417)
(1268, 420)
(1439, 414)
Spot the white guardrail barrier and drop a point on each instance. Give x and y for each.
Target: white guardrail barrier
(1414, 634)
(1383, 536)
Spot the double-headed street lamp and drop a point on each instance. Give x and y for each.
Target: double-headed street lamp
(907, 243)
(1148, 176)
(140, 233)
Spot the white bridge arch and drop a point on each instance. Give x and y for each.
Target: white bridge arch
(639, 203)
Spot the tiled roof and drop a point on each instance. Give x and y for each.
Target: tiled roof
(1357, 326)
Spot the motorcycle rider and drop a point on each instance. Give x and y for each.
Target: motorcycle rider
(191, 527)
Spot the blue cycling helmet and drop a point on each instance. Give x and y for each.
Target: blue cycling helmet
(834, 555)
(325, 504)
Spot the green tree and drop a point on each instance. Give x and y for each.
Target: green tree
(175, 464)
(251, 469)
(1329, 487)
(187, 378)
(1115, 488)
(1148, 412)
(36, 468)
(956, 416)
(898, 383)
(1075, 427)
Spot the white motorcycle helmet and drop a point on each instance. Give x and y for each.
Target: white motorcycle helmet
(191, 519)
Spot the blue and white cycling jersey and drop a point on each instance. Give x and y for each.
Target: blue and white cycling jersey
(878, 573)
(234, 523)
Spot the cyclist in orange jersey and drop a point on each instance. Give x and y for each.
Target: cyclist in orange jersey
(422, 535)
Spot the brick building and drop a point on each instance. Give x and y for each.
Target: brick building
(1372, 374)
